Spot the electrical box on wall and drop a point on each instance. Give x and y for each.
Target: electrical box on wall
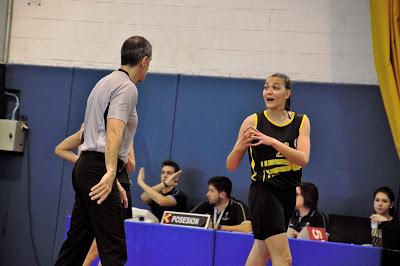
(12, 135)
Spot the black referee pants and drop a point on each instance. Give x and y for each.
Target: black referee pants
(90, 220)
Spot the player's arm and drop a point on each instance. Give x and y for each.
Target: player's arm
(165, 201)
(122, 195)
(244, 227)
(64, 149)
(151, 194)
(131, 164)
(243, 142)
(241, 219)
(300, 155)
(170, 181)
(146, 198)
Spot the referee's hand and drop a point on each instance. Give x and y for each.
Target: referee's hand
(100, 191)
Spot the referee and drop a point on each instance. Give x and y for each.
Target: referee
(109, 128)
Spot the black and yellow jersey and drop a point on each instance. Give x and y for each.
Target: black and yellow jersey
(267, 164)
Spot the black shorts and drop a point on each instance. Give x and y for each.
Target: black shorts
(271, 209)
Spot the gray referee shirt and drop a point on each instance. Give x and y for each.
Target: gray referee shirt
(120, 93)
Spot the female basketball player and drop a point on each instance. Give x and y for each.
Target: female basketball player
(278, 145)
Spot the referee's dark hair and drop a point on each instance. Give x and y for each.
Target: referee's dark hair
(309, 191)
(171, 163)
(134, 49)
(222, 184)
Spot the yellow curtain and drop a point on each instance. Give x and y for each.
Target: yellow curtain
(385, 24)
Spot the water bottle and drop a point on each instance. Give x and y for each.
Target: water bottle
(374, 225)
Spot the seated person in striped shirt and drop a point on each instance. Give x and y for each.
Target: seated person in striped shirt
(306, 212)
(227, 213)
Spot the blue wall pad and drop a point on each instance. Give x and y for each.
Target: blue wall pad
(232, 249)
(155, 244)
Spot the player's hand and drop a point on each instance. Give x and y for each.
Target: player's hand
(122, 195)
(172, 180)
(378, 218)
(100, 191)
(260, 138)
(245, 138)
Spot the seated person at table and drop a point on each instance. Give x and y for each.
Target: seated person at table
(385, 228)
(306, 212)
(227, 213)
(164, 196)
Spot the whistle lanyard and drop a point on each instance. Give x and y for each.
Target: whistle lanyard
(216, 220)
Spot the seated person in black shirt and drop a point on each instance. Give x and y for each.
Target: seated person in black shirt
(164, 196)
(227, 213)
(306, 213)
(385, 229)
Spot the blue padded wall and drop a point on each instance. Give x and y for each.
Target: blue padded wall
(45, 94)
(181, 245)
(232, 249)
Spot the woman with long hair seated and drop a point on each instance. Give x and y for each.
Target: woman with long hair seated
(385, 228)
(306, 213)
